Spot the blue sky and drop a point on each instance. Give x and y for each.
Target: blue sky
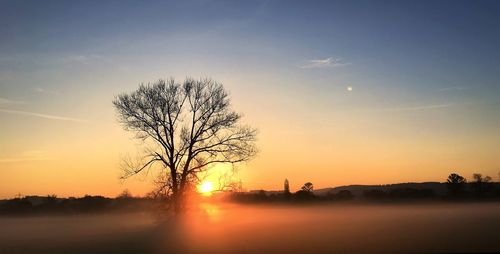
(423, 73)
(417, 46)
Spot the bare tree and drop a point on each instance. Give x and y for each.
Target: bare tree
(185, 128)
(228, 182)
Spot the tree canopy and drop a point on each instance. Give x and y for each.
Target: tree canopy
(185, 128)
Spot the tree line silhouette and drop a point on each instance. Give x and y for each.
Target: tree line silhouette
(457, 188)
(51, 204)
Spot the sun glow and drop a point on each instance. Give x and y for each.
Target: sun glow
(206, 188)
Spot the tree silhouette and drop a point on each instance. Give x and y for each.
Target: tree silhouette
(305, 193)
(455, 184)
(185, 128)
(480, 184)
(308, 187)
(125, 194)
(227, 182)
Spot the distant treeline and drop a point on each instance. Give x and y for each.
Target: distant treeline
(37, 205)
(456, 187)
(369, 194)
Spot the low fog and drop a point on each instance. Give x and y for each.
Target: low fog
(225, 228)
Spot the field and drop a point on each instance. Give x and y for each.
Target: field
(228, 228)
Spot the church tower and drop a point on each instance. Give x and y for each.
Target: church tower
(286, 188)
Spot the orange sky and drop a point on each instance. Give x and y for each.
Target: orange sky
(342, 93)
(299, 139)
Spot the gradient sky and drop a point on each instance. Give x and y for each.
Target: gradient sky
(425, 80)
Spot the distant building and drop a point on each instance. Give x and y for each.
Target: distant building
(286, 188)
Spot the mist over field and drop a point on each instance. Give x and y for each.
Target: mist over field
(232, 228)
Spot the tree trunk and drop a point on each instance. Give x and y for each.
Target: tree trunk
(178, 209)
(176, 193)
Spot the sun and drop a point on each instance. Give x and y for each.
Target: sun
(206, 187)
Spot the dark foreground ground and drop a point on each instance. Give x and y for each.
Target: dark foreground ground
(397, 228)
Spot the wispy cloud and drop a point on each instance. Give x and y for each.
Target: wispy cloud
(81, 59)
(34, 155)
(455, 88)
(52, 117)
(42, 90)
(418, 108)
(324, 63)
(5, 101)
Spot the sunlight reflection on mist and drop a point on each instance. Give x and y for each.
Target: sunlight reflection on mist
(230, 228)
(212, 211)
